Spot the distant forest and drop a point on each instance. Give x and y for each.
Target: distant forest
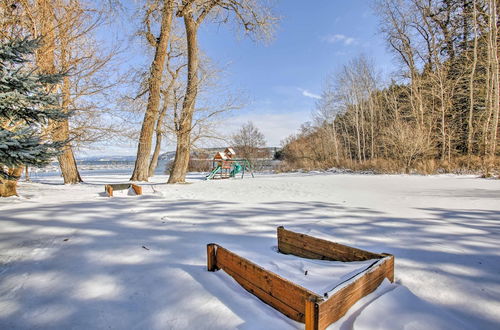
(440, 111)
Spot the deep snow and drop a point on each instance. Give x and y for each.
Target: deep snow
(72, 258)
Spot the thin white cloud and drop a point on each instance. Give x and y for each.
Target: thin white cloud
(275, 126)
(340, 38)
(306, 93)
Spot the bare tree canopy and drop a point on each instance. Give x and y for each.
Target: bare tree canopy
(247, 141)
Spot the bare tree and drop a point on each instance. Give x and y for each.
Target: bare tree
(67, 29)
(247, 141)
(493, 75)
(160, 43)
(472, 78)
(175, 64)
(249, 14)
(403, 142)
(443, 101)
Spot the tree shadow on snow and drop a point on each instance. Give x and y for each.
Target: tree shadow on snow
(139, 263)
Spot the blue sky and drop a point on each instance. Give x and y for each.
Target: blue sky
(283, 79)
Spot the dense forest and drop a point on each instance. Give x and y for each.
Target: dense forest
(440, 110)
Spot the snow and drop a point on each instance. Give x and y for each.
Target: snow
(318, 276)
(393, 306)
(72, 258)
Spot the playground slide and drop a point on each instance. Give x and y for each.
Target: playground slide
(214, 172)
(236, 169)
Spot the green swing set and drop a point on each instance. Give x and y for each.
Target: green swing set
(224, 166)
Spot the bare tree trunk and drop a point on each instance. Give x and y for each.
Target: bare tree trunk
(159, 135)
(60, 132)
(66, 159)
(372, 129)
(358, 137)
(181, 160)
(470, 123)
(156, 154)
(8, 187)
(61, 129)
(489, 107)
(27, 174)
(346, 141)
(363, 133)
(495, 91)
(336, 143)
(443, 125)
(141, 169)
(161, 116)
(46, 62)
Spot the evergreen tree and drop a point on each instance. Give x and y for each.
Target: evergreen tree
(27, 103)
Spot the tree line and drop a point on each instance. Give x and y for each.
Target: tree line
(439, 111)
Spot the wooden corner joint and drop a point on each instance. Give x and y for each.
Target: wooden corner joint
(212, 257)
(312, 312)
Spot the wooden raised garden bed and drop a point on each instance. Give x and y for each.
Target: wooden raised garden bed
(295, 301)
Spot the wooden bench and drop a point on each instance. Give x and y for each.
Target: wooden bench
(109, 188)
(295, 301)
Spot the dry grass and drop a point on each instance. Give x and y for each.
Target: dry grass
(486, 167)
(200, 165)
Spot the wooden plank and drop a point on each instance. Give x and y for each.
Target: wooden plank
(137, 189)
(267, 298)
(287, 248)
(389, 267)
(305, 245)
(272, 284)
(312, 314)
(329, 250)
(120, 186)
(211, 258)
(336, 306)
(325, 251)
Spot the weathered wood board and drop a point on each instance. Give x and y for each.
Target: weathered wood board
(306, 246)
(287, 297)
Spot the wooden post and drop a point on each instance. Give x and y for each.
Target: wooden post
(211, 257)
(312, 314)
(279, 234)
(389, 266)
(137, 189)
(109, 190)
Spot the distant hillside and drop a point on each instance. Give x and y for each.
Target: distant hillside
(107, 158)
(209, 153)
(201, 153)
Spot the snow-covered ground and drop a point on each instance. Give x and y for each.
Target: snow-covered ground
(71, 258)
